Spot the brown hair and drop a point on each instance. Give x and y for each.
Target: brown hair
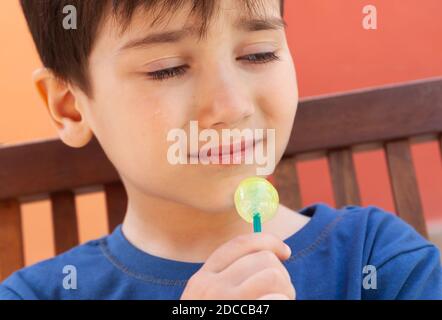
(66, 52)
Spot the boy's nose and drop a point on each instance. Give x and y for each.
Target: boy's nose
(226, 105)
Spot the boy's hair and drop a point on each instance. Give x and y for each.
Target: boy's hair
(66, 52)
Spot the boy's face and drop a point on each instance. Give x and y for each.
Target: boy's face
(131, 112)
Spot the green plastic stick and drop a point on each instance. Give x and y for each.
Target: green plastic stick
(257, 222)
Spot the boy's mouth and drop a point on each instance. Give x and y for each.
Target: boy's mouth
(225, 154)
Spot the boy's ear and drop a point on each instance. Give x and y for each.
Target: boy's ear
(63, 108)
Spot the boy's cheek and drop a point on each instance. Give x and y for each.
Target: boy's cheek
(131, 147)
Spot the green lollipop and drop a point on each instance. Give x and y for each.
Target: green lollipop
(256, 201)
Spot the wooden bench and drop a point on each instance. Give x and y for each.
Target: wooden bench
(327, 125)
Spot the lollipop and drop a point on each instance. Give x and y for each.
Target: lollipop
(256, 201)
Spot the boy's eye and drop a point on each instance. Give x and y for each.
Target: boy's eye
(260, 57)
(168, 73)
(256, 58)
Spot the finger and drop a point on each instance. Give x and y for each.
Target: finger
(240, 246)
(250, 264)
(273, 296)
(265, 282)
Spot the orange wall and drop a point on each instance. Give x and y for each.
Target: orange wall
(332, 53)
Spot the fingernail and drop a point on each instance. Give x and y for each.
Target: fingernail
(288, 250)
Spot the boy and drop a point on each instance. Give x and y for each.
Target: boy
(135, 70)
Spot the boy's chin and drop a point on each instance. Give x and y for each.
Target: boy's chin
(217, 197)
(213, 204)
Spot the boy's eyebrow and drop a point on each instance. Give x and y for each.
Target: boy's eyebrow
(272, 23)
(244, 24)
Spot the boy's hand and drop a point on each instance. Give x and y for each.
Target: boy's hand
(247, 267)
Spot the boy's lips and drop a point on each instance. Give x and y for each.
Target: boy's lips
(227, 151)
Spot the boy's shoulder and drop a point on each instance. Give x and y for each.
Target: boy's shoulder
(55, 272)
(383, 233)
(375, 233)
(407, 264)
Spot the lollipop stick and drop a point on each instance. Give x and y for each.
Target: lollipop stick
(257, 222)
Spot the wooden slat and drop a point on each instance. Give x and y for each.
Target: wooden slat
(403, 180)
(440, 139)
(116, 203)
(369, 115)
(11, 242)
(285, 179)
(64, 220)
(343, 175)
(44, 196)
(50, 165)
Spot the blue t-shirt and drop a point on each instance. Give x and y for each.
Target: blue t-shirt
(349, 253)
